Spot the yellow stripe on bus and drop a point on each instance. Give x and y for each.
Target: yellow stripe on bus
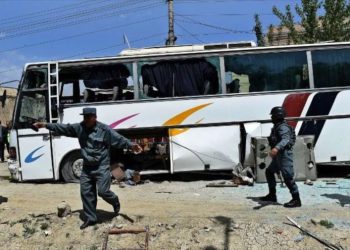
(178, 119)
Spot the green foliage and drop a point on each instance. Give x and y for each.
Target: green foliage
(28, 231)
(335, 22)
(333, 25)
(326, 223)
(93, 247)
(270, 35)
(44, 226)
(258, 31)
(309, 20)
(287, 20)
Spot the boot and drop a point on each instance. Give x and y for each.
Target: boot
(271, 197)
(294, 202)
(116, 206)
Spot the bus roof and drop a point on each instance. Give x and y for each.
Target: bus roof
(192, 50)
(187, 48)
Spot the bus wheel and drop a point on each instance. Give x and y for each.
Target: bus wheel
(72, 167)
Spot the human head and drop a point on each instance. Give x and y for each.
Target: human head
(277, 114)
(90, 117)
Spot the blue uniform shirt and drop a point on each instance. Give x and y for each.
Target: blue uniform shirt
(95, 142)
(281, 134)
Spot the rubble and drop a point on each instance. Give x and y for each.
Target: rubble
(204, 218)
(63, 209)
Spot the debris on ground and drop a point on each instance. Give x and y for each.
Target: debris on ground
(326, 223)
(63, 209)
(221, 184)
(243, 176)
(308, 182)
(299, 238)
(323, 241)
(128, 176)
(127, 231)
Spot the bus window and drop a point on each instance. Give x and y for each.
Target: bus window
(266, 72)
(331, 68)
(70, 92)
(187, 77)
(96, 83)
(236, 83)
(32, 108)
(35, 77)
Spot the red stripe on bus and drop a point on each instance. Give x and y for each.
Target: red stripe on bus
(294, 105)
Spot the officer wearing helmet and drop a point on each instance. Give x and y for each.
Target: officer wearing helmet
(281, 140)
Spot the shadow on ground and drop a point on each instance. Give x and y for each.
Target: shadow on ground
(3, 199)
(104, 216)
(190, 176)
(343, 199)
(261, 203)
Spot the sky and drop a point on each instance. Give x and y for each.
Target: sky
(43, 30)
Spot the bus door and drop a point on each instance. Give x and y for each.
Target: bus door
(206, 148)
(37, 102)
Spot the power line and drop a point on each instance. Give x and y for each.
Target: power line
(82, 34)
(36, 14)
(75, 22)
(228, 14)
(207, 34)
(7, 82)
(97, 50)
(190, 20)
(224, 1)
(8, 70)
(75, 16)
(112, 46)
(192, 35)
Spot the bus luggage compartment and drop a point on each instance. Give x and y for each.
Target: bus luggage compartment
(303, 158)
(155, 155)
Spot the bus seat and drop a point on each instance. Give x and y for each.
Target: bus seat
(89, 95)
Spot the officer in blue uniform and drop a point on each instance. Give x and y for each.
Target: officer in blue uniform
(95, 140)
(281, 140)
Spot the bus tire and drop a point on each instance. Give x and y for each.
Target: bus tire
(71, 167)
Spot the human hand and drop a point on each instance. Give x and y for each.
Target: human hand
(40, 124)
(273, 152)
(136, 148)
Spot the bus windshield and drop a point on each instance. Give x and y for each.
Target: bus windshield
(33, 94)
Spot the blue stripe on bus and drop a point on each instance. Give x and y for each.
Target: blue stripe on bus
(321, 105)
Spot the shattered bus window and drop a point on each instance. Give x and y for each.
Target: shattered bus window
(91, 83)
(189, 77)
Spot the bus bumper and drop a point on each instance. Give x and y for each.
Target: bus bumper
(15, 170)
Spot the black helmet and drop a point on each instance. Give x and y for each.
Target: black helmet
(278, 113)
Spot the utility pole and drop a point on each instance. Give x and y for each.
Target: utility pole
(171, 36)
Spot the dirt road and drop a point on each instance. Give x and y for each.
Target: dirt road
(181, 215)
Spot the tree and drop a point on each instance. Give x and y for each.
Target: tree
(333, 25)
(270, 36)
(309, 21)
(260, 38)
(335, 22)
(287, 20)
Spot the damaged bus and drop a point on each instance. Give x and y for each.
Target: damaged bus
(192, 108)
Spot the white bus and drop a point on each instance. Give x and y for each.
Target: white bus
(219, 94)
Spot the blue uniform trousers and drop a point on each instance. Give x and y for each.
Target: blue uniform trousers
(95, 181)
(283, 162)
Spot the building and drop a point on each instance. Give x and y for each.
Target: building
(7, 106)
